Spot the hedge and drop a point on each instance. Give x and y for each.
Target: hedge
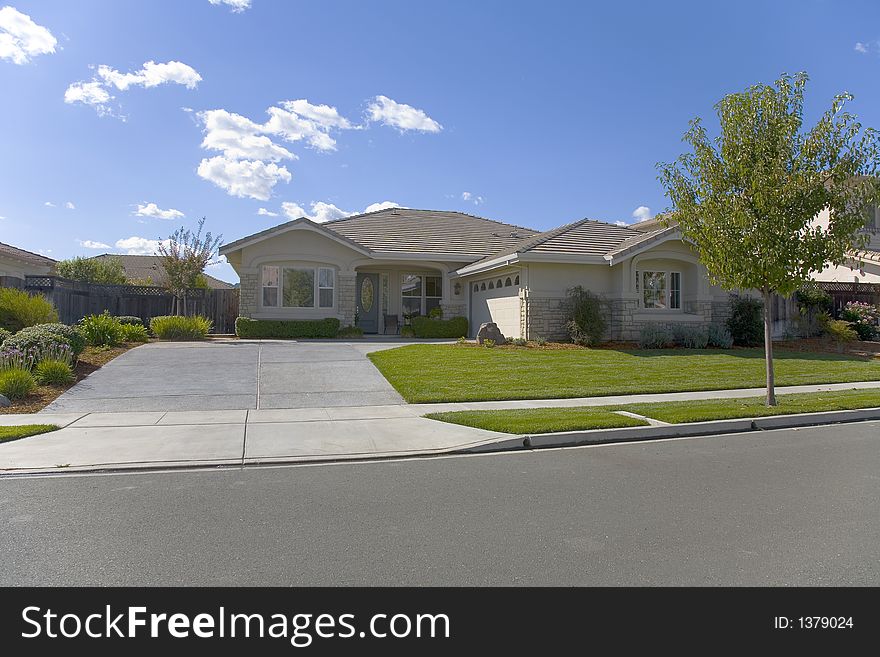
(245, 327)
(425, 327)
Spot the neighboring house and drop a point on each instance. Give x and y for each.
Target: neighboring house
(148, 269)
(400, 261)
(864, 266)
(18, 263)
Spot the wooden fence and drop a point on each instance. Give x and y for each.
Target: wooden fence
(75, 300)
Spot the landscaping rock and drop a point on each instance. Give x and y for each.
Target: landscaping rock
(4, 401)
(490, 331)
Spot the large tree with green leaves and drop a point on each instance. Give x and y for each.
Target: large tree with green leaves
(748, 198)
(185, 254)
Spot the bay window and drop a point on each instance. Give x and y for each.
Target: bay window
(420, 293)
(298, 287)
(659, 290)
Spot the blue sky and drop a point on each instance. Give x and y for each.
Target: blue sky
(535, 113)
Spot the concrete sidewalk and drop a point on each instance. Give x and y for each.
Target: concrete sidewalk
(154, 439)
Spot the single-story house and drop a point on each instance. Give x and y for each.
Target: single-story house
(18, 263)
(398, 262)
(864, 265)
(148, 269)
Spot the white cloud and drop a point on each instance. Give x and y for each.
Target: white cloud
(236, 6)
(138, 245)
(861, 47)
(95, 93)
(70, 206)
(151, 75)
(239, 138)
(153, 210)
(468, 196)
(322, 212)
(263, 212)
(398, 115)
(621, 223)
(90, 244)
(384, 205)
(89, 93)
(251, 178)
(21, 38)
(642, 213)
(50, 204)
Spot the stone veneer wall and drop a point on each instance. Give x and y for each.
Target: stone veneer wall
(248, 290)
(346, 297)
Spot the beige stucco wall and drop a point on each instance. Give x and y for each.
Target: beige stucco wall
(307, 247)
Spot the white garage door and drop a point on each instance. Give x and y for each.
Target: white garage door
(496, 300)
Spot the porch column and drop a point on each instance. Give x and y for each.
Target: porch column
(346, 296)
(248, 291)
(452, 304)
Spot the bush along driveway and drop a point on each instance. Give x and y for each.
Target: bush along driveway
(460, 373)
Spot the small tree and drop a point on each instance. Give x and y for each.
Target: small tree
(107, 271)
(584, 318)
(748, 199)
(184, 257)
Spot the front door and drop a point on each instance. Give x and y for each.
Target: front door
(368, 302)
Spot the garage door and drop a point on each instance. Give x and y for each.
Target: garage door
(496, 300)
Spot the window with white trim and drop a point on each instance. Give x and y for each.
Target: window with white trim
(298, 287)
(659, 290)
(420, 293)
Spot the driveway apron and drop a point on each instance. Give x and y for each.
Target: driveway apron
(230, 375)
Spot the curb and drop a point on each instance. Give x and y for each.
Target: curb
(635, 434)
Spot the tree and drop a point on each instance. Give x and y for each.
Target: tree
(106, 271)
(185, 254)
(748, 199)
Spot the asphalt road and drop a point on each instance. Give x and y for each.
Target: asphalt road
(779, 507)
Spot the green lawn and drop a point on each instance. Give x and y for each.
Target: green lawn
(455, 373)
(546, 420)
(23, 431)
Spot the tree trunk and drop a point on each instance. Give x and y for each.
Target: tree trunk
(768, 348)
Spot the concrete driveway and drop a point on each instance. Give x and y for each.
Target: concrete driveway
(233, 375)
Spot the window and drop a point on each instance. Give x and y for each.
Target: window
(326, 284)
(483, 287)
(516, 280)
(420, 293)
(298, 287)
(491, 285)
(476, 288)
(507, 282)
(270, 286)
(659, 290)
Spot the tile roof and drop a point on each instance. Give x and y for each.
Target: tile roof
(26, 256)
(403, 230)
(640, 238)
(145, 267)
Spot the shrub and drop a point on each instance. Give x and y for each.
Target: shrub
(39, 345)
(863, 317)
(3, 335)
(425, 327)
(16, 383)
(656, 337)
(350, 332)
(134, 333)
(812, 302)
(18, 309)
(106, 271)
(519, 342)
(285, 329)
(840, 331)
(16, 359)
(71, 334)
(461, 340)
(541, 342)
(719, 337)
(129, 320)
(488, 343)
(53, 373)
(101, 330)
(176, 327)
(746, 321)
(436, 313)
(691, 337)
(407, 332)
(584, 318)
